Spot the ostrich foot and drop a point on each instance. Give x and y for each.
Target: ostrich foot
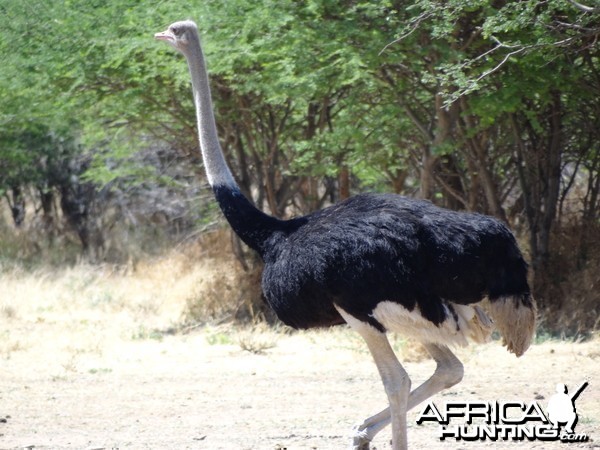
(360, 438)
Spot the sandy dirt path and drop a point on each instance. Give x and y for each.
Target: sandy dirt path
(201, 390)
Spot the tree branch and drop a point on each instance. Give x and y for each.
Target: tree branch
(584, 8)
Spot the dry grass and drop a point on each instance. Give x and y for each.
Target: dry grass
(64, 315)
(68, 318)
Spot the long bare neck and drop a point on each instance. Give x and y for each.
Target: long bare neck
(253, 226)
(217, 171)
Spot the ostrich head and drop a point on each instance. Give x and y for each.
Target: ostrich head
(179, 35)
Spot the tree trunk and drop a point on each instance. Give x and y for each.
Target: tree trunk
(428, 163)
(539, 169)
(344, 182)
(17, 205)
(445, 121)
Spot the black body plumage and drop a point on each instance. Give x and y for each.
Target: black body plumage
(376, 247)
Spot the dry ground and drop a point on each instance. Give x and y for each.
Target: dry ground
(82, 368)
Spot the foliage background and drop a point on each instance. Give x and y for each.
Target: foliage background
(490, 106)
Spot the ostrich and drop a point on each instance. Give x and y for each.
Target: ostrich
(378, 262)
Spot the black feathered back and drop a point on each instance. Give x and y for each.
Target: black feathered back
(372, 248)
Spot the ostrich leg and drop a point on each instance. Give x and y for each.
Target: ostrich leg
(395, 379)
(448, 372)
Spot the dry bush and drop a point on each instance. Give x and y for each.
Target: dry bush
(578, 314)
(257, 339)
(573, 284)
(29, 245)
(230, 293)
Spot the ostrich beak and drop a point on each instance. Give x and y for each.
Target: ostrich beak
(165, 36)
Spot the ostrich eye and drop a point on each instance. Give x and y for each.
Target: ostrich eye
(176, 31)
